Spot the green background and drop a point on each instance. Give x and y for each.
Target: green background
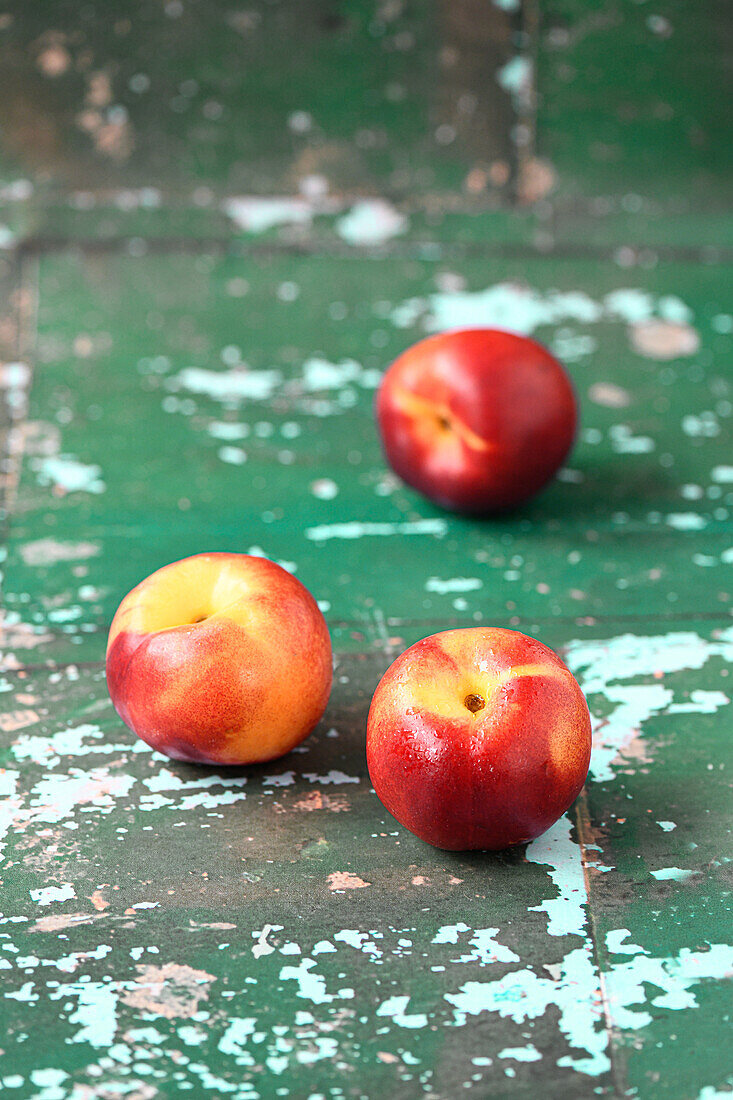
(556, 167)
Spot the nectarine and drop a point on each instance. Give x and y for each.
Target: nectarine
(478, 738)
(478, 420)
(220, 659)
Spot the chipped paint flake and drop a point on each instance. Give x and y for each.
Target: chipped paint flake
(338, 881)
(686, 521)
(333, 777)
(529, 1053)
(395, 1007)
(360, 941)
(603, 666)
(674, 977)
(664, 339)
(524, 309)
(316, 800)
(96, 1012)
(566, 913)
(229, 386)
(521, 995)
(371, 222)
(616, 943)
(358, 530)
(484, 947)
(173, 990)
(49, 551)
(673, 874)
(234, 1039)
(324, 374)
(68, 474)
(84, 740)
(453, 584)
(47, 894)
(609, 395)
(263, 947)
(283, 779)
(515, 77)
(312, 986)
(324, 488)
(256, 214)
(624, 442)
(449, 933)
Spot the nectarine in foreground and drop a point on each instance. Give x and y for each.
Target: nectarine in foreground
(478, 738)
(478, 420)
(220, 659)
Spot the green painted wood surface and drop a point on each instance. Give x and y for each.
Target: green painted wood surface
(183, 373)
(256, 99)
(629, 103)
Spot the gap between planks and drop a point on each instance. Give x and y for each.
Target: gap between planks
(424, 249)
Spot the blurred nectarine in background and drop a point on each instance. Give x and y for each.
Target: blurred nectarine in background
(478, 420)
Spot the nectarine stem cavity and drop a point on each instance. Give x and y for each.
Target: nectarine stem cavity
(474, 703)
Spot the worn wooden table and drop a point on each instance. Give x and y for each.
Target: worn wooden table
(218, 226)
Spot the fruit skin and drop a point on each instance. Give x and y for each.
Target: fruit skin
(486, 779)
(478, 420)
(246, 684)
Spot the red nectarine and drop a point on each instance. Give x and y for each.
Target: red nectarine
(478, 738)
(478, 420)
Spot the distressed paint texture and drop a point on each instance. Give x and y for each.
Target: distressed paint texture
(197, 301)
(348, 970)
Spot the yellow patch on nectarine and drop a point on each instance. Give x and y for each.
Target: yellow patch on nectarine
(438, 421)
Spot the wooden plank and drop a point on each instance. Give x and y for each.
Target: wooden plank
(628, 117)
(145, 458)
(284, 896)
(390, 97)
